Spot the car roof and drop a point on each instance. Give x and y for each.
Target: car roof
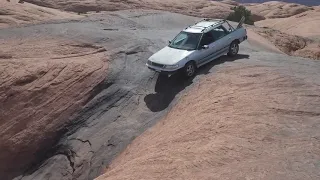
(204, 25)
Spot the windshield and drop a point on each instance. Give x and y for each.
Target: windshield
(186, 41)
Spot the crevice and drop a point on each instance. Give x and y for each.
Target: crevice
(131, 52)
(110, 29)
(83, 141)
(85, 45)
(70, 154)
(98, 89)
(112, 145)
(295, 112)
(25, 80)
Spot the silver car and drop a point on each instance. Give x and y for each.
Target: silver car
(197, 45)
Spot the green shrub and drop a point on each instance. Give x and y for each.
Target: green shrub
(240, 11)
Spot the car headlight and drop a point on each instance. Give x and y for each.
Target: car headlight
(172, 66)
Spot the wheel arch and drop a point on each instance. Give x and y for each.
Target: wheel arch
(236, 40)
(192, 61)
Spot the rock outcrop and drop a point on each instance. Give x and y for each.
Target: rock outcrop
(247, 121)
(291, 44)
(43, 82)
(13, 13)
(306, 24)
(277, 9)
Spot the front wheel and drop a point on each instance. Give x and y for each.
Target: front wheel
(190, 69)
(233, 49)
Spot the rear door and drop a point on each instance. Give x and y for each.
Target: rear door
(222, 38)
(203, 54)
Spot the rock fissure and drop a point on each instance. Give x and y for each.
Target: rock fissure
(83, 141)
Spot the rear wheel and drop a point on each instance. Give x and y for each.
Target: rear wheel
(190, 69)
(233, 49)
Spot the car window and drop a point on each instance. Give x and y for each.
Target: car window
(227, 27)
(207, 39)
(186, 41)
(180, 38)
(219, 32)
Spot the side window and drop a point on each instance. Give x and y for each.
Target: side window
(207, 39)
(219, 32)
(227, 27)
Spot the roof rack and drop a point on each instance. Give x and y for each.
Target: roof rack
(219, 21)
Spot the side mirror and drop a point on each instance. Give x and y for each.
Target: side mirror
(205, 47)
(169, 42)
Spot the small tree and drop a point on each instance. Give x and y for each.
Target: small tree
(240, 11)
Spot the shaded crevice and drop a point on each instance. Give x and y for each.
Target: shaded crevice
(111, 145)
(83, 141)
(110, 29)
(97, 90)
(25, 80)
(296, 112)
(114, 104)
(70, 154)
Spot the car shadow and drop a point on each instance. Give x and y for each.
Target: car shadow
(167, 88)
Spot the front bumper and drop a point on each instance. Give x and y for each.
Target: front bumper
(162, 70)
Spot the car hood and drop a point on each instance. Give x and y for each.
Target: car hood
(169, 56)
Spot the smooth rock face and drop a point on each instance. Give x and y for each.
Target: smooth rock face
(15, 14)
(306, 24)
(67, 107)
(304, 2)
(253, 117)
(67, 71)
(291, 44)
(43, 82)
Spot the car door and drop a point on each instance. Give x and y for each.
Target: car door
(223, 39)
(206, 48)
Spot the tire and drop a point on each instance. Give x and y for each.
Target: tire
(189, 69)
(233, 49)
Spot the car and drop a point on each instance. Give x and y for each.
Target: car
(198, 45)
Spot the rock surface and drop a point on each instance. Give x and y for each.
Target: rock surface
(306, 24)
(291, 44)
(61, 120)
(115, 112)
(14, 14)
(254, 118)
(277, 9)
(43, 82)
